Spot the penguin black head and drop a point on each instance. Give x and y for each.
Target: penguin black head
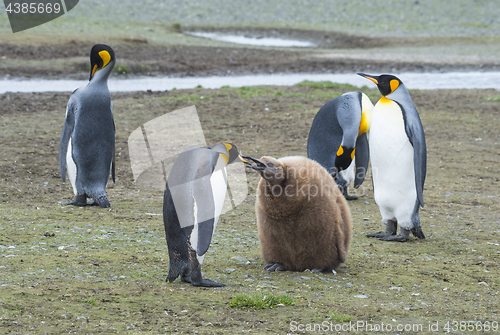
(228, 151)
(100, 56)
(269, 168)
(386, 83)
(344, 158)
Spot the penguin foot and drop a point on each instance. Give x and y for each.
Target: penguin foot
(403, 237)
(201, 283)
(377, 235)
(274, 267)
(394, 238)
(208, 283)
(81, 204)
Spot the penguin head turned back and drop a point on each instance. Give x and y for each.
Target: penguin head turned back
(227, 150)
(386, 83)
(101, 57)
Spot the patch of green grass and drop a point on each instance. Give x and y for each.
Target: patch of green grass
(325, 84)
(247, 92)
(191, 98)
(251, 91)
(338, 317)
(91, 301)
(176, 26)
(122, 69)
(260, 300)
(492, 99)
(332, 316)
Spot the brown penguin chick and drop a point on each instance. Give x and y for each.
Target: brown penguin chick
(303, 220)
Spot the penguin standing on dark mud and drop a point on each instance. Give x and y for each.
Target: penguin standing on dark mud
(87, 146)
(338, 135)
(398, 159)
(303, 220)
(193, 201)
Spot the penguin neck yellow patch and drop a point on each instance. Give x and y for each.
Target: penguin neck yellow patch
(105, 56)
(385, 100)
(363, 125)
(226, 158)
(93, 70)
(394, 85)
(228, 146)
(352, 153)
(340, 151)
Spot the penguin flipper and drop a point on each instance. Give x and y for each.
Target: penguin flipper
(362, 156)
(113, 161)
(68, 127)
(205, 231)
(415, 133)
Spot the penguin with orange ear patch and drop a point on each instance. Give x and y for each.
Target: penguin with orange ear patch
(87, 146)
(398, 159)
(338, 139)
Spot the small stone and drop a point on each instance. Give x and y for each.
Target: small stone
(361, 296)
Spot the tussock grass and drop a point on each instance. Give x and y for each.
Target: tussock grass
(261, 300)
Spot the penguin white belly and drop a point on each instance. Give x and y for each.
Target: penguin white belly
(193, 239)
(218, 182)
(349, 173)
(391, 155)
(71, 166)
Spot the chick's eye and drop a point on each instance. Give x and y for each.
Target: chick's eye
(270, 164)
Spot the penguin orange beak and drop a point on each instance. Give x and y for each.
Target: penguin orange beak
(370, 77)
(260, 165)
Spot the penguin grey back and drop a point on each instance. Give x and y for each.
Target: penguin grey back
(336, 123)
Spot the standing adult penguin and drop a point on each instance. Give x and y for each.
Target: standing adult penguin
(192, 203)
(338, 135)
(398, 158)
(87, 147)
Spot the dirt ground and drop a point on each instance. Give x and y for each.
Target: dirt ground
(43, 56)
(95, 270)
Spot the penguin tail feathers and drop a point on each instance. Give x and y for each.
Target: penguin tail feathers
(174, 269)
(102, 201)
(417, 232)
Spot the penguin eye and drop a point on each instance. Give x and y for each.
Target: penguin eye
(270, 164)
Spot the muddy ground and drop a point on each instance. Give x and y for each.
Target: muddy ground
(67, 57)
(95, 270)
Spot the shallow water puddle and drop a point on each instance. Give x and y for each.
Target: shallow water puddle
(421, 81)
(259, 41)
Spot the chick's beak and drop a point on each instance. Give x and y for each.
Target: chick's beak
(248, 160)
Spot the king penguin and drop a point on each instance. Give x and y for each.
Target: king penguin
(192, 203)
(338, 139)
(398, 159)
(87, 147)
